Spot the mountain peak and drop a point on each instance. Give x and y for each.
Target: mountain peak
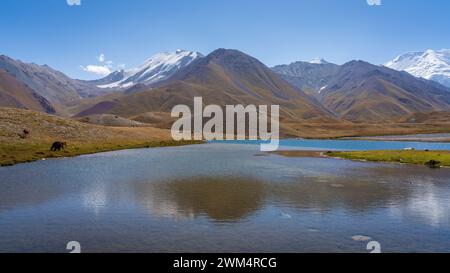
(358, 62)
(223, 52)
(233, 58)
(318, 60)
(430, 64)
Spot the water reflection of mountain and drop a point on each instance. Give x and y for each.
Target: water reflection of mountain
(234, 199)
(220, 198)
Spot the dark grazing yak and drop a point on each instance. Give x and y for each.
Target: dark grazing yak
(58, 146)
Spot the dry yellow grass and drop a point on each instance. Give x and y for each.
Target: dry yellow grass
(347, 129)
(81, 138)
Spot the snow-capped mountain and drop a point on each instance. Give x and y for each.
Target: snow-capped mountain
(431, 65)
(318, 60)
(159, 67)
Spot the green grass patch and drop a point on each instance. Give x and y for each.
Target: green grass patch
(11, 154)
(410, 157)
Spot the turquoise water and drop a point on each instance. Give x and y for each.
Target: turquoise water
(349, 145)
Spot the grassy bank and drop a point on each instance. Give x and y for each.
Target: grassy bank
(410, 157)
(11, 154)
(81, 138)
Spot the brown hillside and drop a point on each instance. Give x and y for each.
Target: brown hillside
(15, 94)
(365, 93)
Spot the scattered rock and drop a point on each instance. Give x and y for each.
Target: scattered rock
(313, 230)
(361, 238)
(285, 216)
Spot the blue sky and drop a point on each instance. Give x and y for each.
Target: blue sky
(67, 37)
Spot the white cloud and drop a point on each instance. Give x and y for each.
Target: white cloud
(104, 66)
(73, 2)
(102, 70)
(374, 2)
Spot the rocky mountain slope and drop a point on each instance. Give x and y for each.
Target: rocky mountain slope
(362, 92)
(308, 76)
(49, 83)
(17, 95)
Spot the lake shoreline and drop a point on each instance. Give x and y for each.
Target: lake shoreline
(397, 138)
(395, 156)
(13, 154)
(17, 153)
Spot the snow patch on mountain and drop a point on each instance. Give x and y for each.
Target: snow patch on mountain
(318, 60)
(431, 64)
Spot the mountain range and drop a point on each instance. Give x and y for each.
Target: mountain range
(223, 77)
(317, 91)
(362, 92)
